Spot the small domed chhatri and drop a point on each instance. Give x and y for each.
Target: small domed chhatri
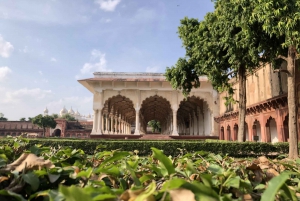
(46, 111)
(71, 112)
(63, 111)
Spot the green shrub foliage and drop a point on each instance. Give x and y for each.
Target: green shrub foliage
(173, 148)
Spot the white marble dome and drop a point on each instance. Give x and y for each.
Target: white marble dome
(63, 111)
(46, 110)
(71, 112)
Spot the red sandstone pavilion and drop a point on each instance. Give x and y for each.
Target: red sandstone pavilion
(123, 104)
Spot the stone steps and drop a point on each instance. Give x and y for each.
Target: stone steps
(155, 137)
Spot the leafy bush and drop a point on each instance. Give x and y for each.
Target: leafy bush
(123, 175)
(172, 148)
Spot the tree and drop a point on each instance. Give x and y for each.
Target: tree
(222, 46)
(281, 20)
(2, 118)
(68, 117)
(55, 116)
(30, 118)
(23, 119)
(44, 122)
(155, 125)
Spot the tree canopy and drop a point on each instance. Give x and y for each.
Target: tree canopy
(221, 46)
(44, 122)
(23, 119)
(281, 21)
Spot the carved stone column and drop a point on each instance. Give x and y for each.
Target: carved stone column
(94, 130)
(137, 121)
(175, 132)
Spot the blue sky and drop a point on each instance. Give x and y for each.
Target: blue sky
(46, 46)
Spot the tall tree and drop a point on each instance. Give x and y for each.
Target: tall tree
(44, 122)
(281, 20)
(23, 119)
(223, 43)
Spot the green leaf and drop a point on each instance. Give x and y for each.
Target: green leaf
(216, 169)
(164, 160)
(233, 182)
(104, 197)
(53, 177)
(118, 155)
(148, 192)
(133, 175)
(74, 193)
(12, 194)
(289, 193)
(32, 180)
(173, 184)
(86, 173)
(274, 185)
(260, 187)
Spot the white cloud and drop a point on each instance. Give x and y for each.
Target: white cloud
(6, 48)
(25, 93)
(107, 5)
(40, 72)
(89, 68)
(53, 59)
(152, 69)
(4, 72)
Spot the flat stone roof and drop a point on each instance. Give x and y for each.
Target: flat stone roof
(131, 77)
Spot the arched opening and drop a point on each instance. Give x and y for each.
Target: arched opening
(156, 109)
(271, 129)
(286, 128)
(56, 133)
(222, 133)
(228, 133)
(257, 130)
(118, 115)
(235, 132)
(194, 117)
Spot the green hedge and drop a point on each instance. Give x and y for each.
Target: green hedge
(173, 148)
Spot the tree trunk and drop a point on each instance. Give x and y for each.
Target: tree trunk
(242, 102)
(292, 106)
(44, 131)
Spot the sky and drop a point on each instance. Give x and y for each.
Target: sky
(46, 46)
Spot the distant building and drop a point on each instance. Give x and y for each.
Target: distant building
(81, 128)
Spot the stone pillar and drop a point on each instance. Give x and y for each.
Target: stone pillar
(99, 120)
(116, 124)
(119, 120)
(263, 128)
(111, 124)
(102, 123)
(94, 123)
(137, 121)
(106, 123)
(175, 132)
(195, 123)
(280, 129)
